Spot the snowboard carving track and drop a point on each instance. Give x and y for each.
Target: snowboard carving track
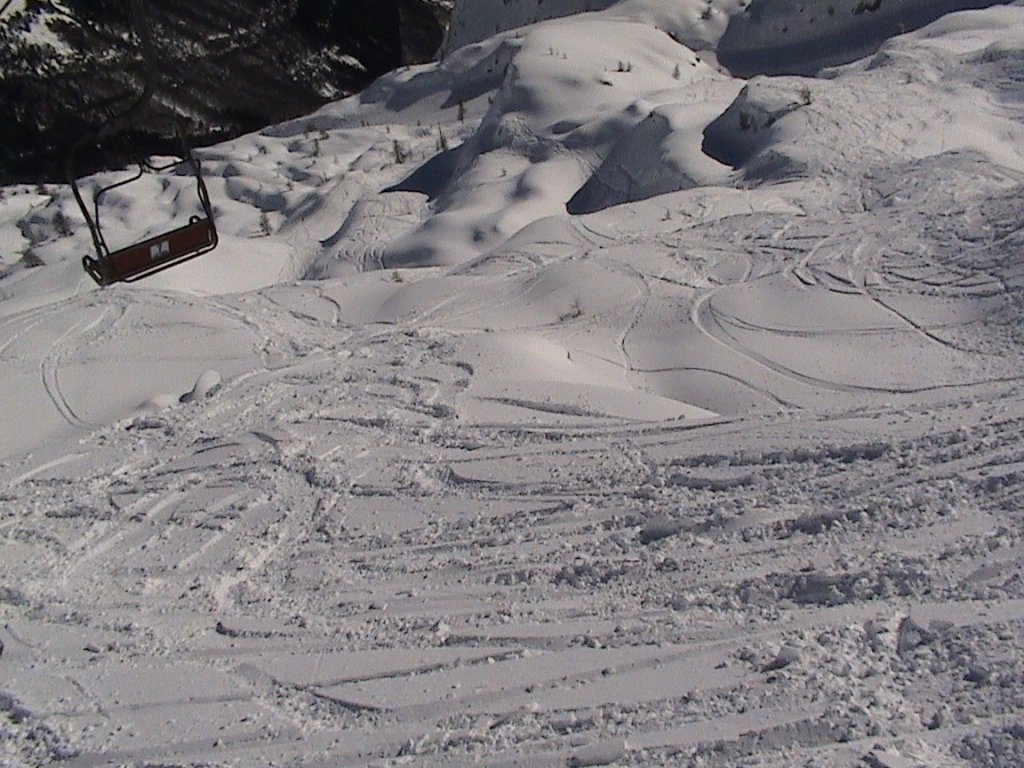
(76, 336)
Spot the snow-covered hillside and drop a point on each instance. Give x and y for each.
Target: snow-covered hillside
(568, 401)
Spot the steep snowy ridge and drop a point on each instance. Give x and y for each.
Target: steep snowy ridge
(750, 36)
(566, 401)
(801, 36)
(475, 22)
(696, 23)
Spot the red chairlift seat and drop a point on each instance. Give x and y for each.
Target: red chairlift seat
(156, 254)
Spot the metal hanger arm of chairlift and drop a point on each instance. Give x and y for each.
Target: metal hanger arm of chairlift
(115, 124)
(109, 127)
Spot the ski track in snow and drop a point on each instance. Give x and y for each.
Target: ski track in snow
(726, 476)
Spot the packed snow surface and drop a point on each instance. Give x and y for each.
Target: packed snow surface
(568, 401)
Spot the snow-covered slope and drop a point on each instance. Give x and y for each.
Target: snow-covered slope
(801, 36)
(567, 401)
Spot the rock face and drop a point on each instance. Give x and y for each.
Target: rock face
(220, 69)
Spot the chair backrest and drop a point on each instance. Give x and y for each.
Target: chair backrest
(155, 254)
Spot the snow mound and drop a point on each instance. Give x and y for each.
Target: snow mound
(472, 22)
(785, 127)
(647, 161)
(560, 107)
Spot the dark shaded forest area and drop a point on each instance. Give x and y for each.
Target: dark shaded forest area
(217, 69)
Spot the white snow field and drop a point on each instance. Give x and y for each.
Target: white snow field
(567, 402)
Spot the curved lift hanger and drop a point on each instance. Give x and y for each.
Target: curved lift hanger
(163, 251)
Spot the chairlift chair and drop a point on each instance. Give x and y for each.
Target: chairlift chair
(166, 250)
(155, 254)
